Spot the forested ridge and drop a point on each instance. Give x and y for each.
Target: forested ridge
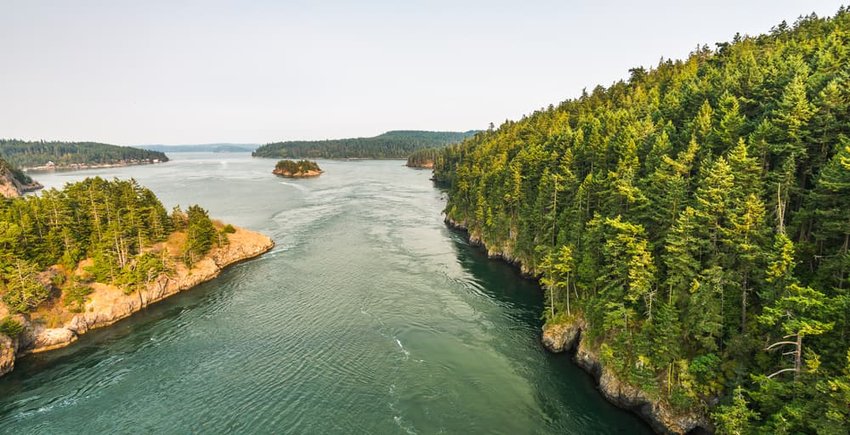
(697, 217)
(28, 154)
(54, 246)
(390, 145)
(423, 158)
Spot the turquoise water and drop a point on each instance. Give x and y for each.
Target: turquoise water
(370, 316)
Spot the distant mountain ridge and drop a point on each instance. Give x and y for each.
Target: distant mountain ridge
(203, 148)
(73, 155)
(397, 144)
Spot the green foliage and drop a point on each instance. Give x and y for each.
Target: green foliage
(390, 145)
(291, 167)
(64, 154)
(705, 208)
(75, 297)
(22, 290)
(200, 234)
(111, 222)
(423, 158)
(10, 327)
(736, 418)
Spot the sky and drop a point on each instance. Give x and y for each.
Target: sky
(180, 72)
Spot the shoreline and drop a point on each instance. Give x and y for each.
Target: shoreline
(569, 338)
(109, 304)
(84, 166)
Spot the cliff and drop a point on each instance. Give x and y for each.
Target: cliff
(567, 337)
(109, 304)
(13, 182)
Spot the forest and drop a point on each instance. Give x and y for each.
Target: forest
(293, 168)
(96, 230)
(423, 158)
(30, 154)
(697, 217)
(390, 145)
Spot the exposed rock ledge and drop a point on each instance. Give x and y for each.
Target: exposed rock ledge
(505, 254)
(663, 419)
(297, 174)
(109, 304)
(568, 337)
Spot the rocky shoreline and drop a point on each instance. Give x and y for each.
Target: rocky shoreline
(82, 166)
(305, 174)
(568, 337)
(109, 304)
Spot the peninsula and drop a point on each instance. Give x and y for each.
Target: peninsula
(57, 155)
(13, 182)
(299, 169)
(108, 250)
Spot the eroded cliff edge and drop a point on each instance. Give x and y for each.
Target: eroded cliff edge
(109, 304)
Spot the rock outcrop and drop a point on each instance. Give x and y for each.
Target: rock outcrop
(109, 304)
(565, 337)
(8, 348)
(13, 182)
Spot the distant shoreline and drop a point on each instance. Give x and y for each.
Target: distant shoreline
(83, 166)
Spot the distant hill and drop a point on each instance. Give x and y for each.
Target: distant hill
(73, 155)
(203, 148)
(390, 145)
(13, 182)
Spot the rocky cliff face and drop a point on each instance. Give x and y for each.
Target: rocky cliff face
(659, 414)
(8, 348)
(108, 304)
(14, 183)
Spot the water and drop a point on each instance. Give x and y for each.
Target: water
(370, 316)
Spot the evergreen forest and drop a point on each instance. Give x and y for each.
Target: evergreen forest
(29, 154)
(55, 245)
(697, 217)
(390, 145)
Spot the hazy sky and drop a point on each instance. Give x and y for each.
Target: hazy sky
(137, 72)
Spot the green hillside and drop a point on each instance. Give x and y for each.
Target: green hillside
(29, 154)
(693, 216)
(390, 145)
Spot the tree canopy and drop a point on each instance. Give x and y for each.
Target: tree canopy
(28, 154)
(113, 224)
(697, 215)
(390, 145)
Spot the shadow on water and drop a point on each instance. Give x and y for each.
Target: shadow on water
(557, 393)
(127, 336)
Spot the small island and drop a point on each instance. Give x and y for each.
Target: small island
(299, 169)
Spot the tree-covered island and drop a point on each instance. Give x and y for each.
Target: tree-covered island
(299, 169)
